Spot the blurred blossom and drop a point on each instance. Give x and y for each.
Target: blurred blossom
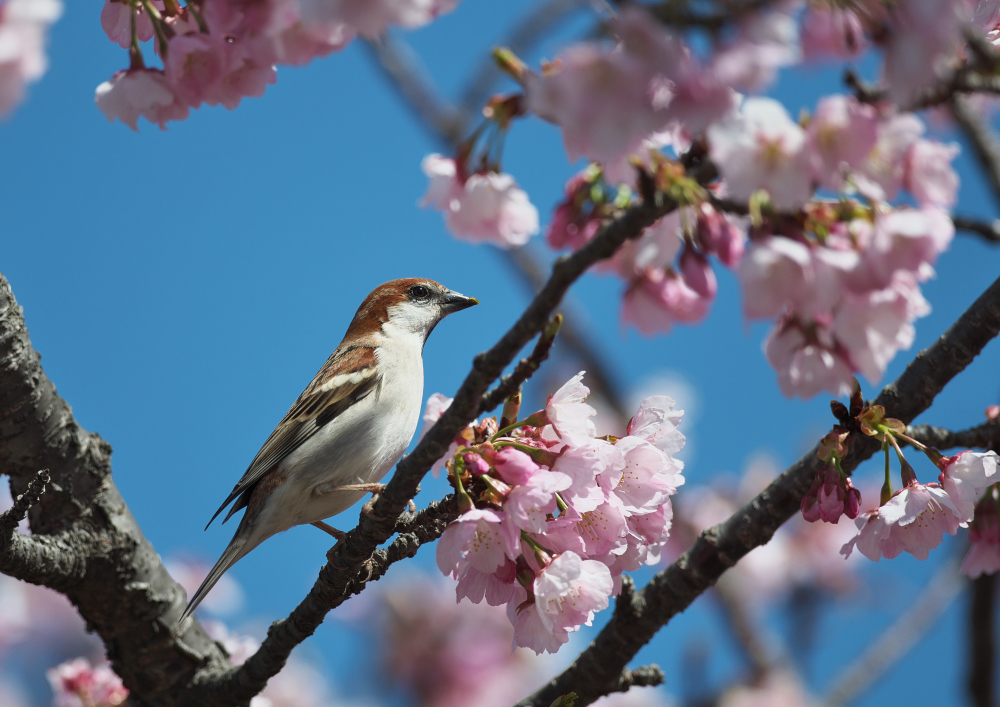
(24, 28)
(77, 683)
(777, 688)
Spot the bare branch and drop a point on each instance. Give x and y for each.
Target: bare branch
(10, 518)
(982, 640)
(983, 140)
(989, 231)
(408, 74)
(525, 368)
(984, 436)
(595, 671)
(677, 13)
(918, 617)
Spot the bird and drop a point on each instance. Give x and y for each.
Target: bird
(349, 426)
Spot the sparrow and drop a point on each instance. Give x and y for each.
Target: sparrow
(349, 426)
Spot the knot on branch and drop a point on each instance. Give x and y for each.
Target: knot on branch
(645, 676)
(10, 518)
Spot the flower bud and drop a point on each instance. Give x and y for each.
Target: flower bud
(475, 464)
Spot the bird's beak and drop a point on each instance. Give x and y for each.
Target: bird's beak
(456, 302)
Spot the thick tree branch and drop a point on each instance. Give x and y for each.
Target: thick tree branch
(85, 542)
(982, 640)
(594, 673)
(918, 617)
(355, 553)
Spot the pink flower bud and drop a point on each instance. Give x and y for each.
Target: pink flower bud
(852, 501)
(514, 466)
(810, 509)
(475, 464)
(698, 274)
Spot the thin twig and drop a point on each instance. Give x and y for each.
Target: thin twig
(595, 671)
(917, 618)
(984, 141)
(990, 231)
(525, 368)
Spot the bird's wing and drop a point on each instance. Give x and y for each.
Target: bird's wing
(349, 375)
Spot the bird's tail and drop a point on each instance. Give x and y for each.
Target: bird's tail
(237, 548)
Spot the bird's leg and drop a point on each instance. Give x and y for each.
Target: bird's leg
(338, 534)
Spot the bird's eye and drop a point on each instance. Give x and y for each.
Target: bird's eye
(420, 292)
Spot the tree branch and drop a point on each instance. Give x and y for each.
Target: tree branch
(983, 140)
(899, 638)
(85, 542)
(989, 231)
(982, 641)
(984, 436)
(594, 673)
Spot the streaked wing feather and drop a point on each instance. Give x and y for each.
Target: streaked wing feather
(347, 377)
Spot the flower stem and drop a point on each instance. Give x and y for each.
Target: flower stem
(887, 486)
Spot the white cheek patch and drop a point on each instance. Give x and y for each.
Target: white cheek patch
(413, 318)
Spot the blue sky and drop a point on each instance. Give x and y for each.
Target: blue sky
(183, 287)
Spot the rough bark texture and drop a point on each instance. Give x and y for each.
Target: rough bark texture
(598, 669)
(85, 542)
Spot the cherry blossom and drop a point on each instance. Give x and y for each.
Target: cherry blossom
(487, 207)
(474, 540)
(983, 556)
(965, 478)
(832, 31)
(831, 496)
(79, 684)
(570, 590)
(913, 520)
(842, 133)
(929, 175)
(371, 18)
(566, 514)
(139, 92)
(23, 28)
(762, 148)
(116, 20)
(807, 360)
(569, 415)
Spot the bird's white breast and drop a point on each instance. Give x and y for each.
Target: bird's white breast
(359, 446)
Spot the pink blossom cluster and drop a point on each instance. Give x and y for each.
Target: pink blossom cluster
(916, 516)
(23, 28)
(661, 288)
(80, 684)
(921, 40)
(608, 101)
(221, 51)
(844, 281)
(552, 516)
(485, 207)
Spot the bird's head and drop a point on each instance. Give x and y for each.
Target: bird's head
(412, 305)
